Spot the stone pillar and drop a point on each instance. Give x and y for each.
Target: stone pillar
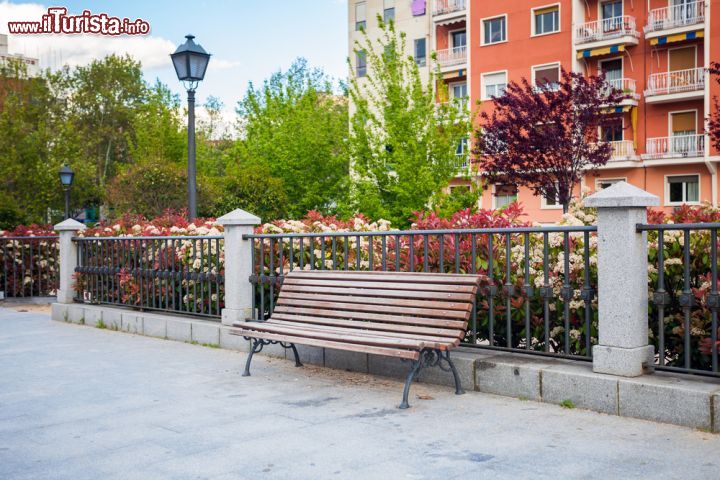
(622, 347)
(238, 268)
(67, 258)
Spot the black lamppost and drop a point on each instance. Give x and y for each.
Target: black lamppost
(66, 179)
(190, 61)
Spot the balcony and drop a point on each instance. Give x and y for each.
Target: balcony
(443, 7)
(623, 150)
(451, 57)
(678, 146)
(673, 86)
(628, 87)
(675, 19)
(607, 32)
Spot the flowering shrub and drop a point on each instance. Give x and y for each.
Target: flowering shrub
(29, 264)
(513, 296)
(519, 295)
(182, 273)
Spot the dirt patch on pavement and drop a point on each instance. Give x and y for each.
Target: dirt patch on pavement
(27, 307)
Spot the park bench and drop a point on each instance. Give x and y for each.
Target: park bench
(417, 317)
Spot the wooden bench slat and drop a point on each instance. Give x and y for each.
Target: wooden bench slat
(423, 312)
(410, 277)
(335, 336)
(371, 300)
(376, 292)
(385, 339)
(390, 327)
(423, 287)
(364, 332)
(352, 347)
(324, 312)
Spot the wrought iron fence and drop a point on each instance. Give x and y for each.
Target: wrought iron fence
(684, 297)
(29, 266)
(177, 274)
(538, 284)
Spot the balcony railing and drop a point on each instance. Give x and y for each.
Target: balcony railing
(609, 28)
(627, 86)
(452, 56)
(441, 7)
(676, 146)
(679, 81)
(623, 150)
(675, 16)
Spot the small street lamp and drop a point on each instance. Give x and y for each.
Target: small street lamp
(66, 179)
(190, 61)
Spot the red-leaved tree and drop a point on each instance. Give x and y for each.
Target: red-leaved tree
(546, 136)
(713, 121)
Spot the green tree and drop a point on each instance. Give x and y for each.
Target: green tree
(158, 130)
(37, 139)
(214, 143)
(252, 189)
(294, 127)
(457, 198)
(149, 189)
(402, 140)
(106, 96)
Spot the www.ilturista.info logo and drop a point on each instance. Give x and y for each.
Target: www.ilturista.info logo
(57, 20)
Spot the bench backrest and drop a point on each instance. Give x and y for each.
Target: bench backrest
(428, 303)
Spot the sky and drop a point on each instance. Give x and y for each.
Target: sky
(248, 39)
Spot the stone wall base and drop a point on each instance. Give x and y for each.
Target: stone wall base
(661, 397)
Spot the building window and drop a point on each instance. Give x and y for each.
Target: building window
(683, 189)
(550, 200)
(459, 90)
(361, 63)
(420, 52)
(458, 38)
(547, 76)
(546, 20)
(493, 85)
(462, 147)
(505, 195)
(389, 11)
(602, 184)
(612, 9)
(494, 30)
(360, 23)
(612, 132)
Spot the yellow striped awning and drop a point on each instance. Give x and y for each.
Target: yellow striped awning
(454, 74)
(680, 37)
(596, 52)
(618, 109)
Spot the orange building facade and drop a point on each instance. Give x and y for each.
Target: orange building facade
(657, 51)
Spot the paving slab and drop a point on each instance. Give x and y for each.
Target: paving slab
(86, 403)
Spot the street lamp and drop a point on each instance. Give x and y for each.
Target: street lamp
(66, 179)
(190, 61)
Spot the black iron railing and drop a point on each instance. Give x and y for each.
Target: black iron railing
(29, 266)
(177, 274)
(684, 297)
(538, 284)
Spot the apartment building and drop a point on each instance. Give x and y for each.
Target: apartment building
(657, 51)
(32, 64)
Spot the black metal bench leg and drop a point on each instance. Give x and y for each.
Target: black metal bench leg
(408, 381)
(458, 386)
(297, 357)
(256, 347)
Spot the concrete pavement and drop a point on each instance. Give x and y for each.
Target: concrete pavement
(84, 403)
